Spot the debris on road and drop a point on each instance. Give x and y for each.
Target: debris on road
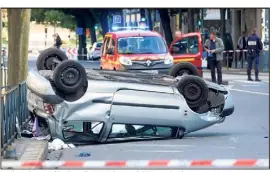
(58, 144)
(83, 154)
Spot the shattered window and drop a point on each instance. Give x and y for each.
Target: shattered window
(82, 131)
(139, 131)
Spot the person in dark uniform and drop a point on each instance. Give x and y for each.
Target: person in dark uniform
(254, 47)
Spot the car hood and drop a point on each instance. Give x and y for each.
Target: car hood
(142, 57)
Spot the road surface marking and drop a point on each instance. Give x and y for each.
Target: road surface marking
(251, 85)
(158, 145)
(252, 92)
(251, 82)
(224, 147)
(154, 151)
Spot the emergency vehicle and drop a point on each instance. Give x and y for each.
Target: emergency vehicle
(146, 51)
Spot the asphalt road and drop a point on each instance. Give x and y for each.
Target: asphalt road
(245, 134)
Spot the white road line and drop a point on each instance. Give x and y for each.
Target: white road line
(154, 151)
(252, 92)
(157, 145)
(251, 85)
(251, 82)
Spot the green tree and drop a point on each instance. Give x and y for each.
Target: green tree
(54, 17)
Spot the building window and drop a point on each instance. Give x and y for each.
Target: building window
(127, 18)
(132, 17)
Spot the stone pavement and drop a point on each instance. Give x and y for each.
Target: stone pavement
(30, 150)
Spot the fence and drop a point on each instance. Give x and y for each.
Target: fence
(14, 112)
(72, 53)
(238, 59)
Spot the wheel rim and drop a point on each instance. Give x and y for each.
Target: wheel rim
(183, 72)
(70, 76)
(49, 62)
(192, 91)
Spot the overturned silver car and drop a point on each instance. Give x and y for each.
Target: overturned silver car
(82, 105)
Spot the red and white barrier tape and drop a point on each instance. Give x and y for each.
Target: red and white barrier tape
(218, 163)
(232, 51)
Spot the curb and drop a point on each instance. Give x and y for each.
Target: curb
(217, 163)
(29, 151)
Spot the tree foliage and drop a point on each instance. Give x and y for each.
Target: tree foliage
(55, 17)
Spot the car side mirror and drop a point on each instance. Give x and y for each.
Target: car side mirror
(109, 51)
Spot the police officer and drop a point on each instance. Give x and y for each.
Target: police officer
(254, 46)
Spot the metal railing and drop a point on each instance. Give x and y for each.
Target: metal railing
(238, 60)
(14, 112)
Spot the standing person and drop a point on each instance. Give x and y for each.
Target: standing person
(242, 45)
(214, 47)
(254, 47)
(58, 41)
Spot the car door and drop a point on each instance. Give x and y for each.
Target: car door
(187, 48)
(105, 64)
(111, 57)
(146, 108)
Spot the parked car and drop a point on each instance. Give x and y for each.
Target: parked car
(95, 51)
(79, 105)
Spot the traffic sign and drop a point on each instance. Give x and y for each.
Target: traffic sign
(117, 19)
(79, 31)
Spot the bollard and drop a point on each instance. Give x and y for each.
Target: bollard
(235, 59)
(265, 56)
(227, 61)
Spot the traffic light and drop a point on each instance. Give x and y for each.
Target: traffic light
(199, 23)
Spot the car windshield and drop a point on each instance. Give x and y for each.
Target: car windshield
(141, 45)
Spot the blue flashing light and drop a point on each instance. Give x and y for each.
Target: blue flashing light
(115, 28)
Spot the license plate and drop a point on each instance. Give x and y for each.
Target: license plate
(150, 71)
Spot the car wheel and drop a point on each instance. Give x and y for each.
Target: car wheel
(184, 68)
(69, 76)
(45, 60)
(194, 89)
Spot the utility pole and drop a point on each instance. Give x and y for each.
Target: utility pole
(46, 33)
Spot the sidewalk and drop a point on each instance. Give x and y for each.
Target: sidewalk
(29, 150)
(241, 71)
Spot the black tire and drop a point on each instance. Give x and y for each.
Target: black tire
(194, 89)
(71, 97)
(69, 76)
(45, 59)
(183, 67)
